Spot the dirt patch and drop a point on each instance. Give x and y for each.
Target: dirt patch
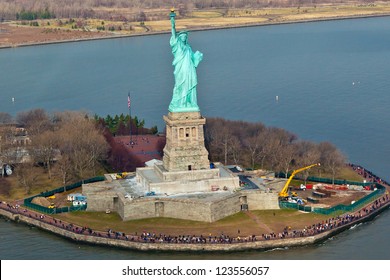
(43, 201)
(58, 199)
(345, 197)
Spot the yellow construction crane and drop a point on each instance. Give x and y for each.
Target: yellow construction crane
(284, 192)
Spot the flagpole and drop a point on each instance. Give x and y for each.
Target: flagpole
(129, 106)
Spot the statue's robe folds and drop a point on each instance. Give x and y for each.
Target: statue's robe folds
(185, 63)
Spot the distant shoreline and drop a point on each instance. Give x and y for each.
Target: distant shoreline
(194, 30)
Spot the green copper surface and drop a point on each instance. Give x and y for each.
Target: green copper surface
(185, 62)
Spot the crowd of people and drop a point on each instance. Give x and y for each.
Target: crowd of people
(147, 237)
(368, 175)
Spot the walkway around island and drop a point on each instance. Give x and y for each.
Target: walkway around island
(311, 234)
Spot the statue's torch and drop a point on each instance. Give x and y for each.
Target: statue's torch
(172, 14)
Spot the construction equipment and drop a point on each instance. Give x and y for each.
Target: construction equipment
(284, 193)
(122, 175)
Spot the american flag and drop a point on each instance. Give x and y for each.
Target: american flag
(128, 101)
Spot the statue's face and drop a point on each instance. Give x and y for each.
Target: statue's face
(183, 37)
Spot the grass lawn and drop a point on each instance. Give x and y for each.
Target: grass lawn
(41, 184)
(274, 220)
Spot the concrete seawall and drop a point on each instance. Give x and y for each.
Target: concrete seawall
(207, 247)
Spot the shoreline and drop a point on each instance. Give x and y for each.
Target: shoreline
(75, 234)
(195, 30)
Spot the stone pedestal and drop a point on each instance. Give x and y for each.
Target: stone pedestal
(185, 167)
(185, 149)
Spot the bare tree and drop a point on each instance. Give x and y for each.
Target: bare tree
(44, 149)
(308, 153)
(223, 138)
(211, 139)
(5, 118)
(332, 159)
(27, 176)
(6, 138)
(64, 168)
(34, 121)
(287, 158)
(9, 152)
(255, 146)
(236, 150)
(82, 142)
(280, 152)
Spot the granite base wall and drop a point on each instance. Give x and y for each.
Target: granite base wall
(187, 209)
(260, 200)
(100, 197)
(225, 207)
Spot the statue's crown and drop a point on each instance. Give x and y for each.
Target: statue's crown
(182, 33)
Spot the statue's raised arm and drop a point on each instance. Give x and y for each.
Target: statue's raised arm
(185, 62)
(172, 15)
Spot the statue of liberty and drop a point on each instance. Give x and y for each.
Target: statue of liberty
(185, 62)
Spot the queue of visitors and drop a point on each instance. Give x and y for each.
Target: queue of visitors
(368, 175)
(147, 237)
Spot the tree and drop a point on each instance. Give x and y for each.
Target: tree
(287, 158)
(6, 138)
(34, 121)
(236, 150)
(331, 158)
(223, 138)
(307, 154)
(255, 147)
(154, 129)
(83, 143)
(211, 142)
(64, 168)
(141, 16)
(44, 149)
(5, 118)
(121, 159)
(9, 152)
(26, 175)
(279, 152)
